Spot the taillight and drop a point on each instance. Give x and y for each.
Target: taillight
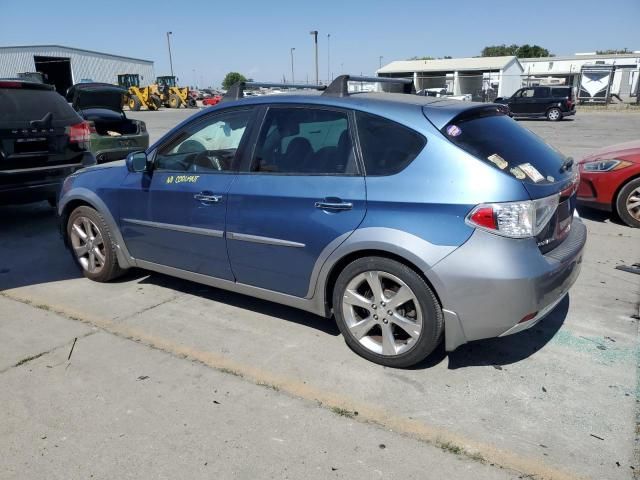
(569, 104)
(514, 219)
(79, 132)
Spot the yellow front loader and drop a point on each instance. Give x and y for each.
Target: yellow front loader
(171, 95)
(138, 97)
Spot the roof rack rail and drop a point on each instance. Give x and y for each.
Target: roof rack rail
(340, 88)
(236, 91)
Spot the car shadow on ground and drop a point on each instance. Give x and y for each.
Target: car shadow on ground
(31, 250)
(262, 307)
(542, 119)
(599, 215)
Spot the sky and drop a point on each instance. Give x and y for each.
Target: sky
(211, 38)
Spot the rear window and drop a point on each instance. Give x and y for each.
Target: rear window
(20, 106)
(561, 92)
(501, 142)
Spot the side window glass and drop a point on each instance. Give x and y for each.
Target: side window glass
(305, 141)
(387, 147)
(542, 92)
(208, 146)
(528, 93)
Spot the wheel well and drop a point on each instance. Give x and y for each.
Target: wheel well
(614, 198)
(347, 259)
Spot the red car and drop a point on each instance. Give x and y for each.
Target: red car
(213, 100)
(610, 180)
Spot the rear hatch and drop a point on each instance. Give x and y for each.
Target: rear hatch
(34, 128)
(487, 133)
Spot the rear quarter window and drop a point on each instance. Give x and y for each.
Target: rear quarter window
(502, 143)
(387, 147)
(19, 106)
(560, 92)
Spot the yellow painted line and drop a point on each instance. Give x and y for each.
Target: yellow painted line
(367, 413)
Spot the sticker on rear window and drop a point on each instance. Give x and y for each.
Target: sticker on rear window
(453, 130)
(519, 174)
(532, 172)
(500, 162)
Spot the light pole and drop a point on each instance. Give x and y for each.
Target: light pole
(328, 58)
(380, 61)
(169, 45)
(315, 41)
(292, 76)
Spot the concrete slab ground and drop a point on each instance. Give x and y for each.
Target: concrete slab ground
(557, 401)
(118, 409)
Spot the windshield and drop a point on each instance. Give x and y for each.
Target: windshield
(501, 142)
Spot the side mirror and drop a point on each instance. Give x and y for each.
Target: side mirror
(137, 162)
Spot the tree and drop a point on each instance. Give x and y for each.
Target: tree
(520, 51)
(231, 78)
(421, 58)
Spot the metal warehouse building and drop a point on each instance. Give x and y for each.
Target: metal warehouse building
(482, 77)
(64, 66)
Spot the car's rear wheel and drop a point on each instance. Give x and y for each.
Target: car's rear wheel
(174, 101)
(554, 114)
(386, 312)
(628, 203)
(92, 246)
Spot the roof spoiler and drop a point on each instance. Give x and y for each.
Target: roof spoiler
(340, 86)
(236, 91)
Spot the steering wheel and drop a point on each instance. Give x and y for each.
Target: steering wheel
(207, 161)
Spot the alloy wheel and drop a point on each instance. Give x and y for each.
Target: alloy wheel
(633, 203)
(382, 313)
(88, 244)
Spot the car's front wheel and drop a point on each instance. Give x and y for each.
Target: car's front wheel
(386, 312)
(554, 114)
(628, 203)
(91, 244)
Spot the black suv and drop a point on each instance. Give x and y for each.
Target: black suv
(42, 140)
(555, 103)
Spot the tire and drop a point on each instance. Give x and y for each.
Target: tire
(134, 104)
(628, 203)
(192, 103)
(86, 219)
(554, 114)
(174, 101)
(155, 101)
(363, 324)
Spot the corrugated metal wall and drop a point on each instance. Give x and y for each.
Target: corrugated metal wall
(96, 66)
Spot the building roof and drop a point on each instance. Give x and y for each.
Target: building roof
(448, 65)
(580, 57)
(73, 49)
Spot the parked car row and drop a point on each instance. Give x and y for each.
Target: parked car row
(43, 138)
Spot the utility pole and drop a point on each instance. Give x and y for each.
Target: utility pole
(315, 41)
(328, 58)
(292, 76)
(169, 45)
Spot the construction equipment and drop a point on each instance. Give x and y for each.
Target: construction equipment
(173, 96)
(137, 96)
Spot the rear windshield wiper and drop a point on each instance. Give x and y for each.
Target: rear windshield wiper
(567, 164)
(43, 123)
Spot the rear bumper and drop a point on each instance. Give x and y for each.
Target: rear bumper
(109, 149)
(39, 183)
(491, 283)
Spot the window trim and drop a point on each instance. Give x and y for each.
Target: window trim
(404, 167)
(196, 123)
(247, 162)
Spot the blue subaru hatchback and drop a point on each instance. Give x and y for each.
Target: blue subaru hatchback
(406, 218)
